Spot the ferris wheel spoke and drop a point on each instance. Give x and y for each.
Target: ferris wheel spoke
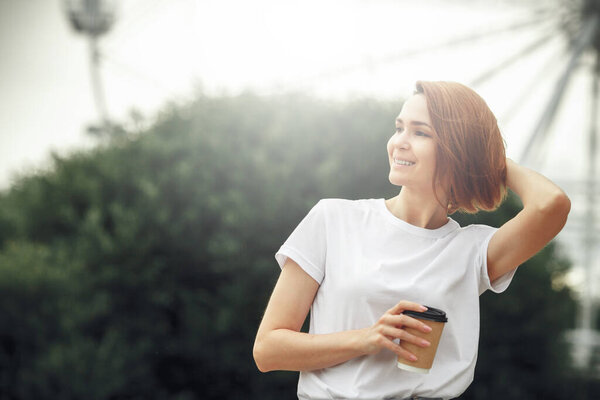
(469, 38)
(466, 39)
(540, 131)
(529, 50)
(528, 90)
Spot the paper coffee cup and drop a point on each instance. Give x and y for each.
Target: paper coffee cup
(436, 319)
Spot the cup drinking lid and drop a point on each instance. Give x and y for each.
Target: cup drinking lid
(431, 314)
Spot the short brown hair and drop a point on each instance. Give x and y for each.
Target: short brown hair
(470, 153)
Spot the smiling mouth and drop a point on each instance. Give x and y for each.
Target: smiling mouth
(398, 161)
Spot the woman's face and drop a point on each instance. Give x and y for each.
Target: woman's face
(412, 148)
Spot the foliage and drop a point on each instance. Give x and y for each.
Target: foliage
(140, 270)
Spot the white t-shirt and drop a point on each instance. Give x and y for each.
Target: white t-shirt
(366, 260)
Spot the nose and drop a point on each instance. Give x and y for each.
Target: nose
(401, 141)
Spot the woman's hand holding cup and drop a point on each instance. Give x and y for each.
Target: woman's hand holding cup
(390, 326)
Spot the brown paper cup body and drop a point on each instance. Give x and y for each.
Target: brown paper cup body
(425, 355)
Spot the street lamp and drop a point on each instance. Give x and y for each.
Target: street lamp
(93, 18)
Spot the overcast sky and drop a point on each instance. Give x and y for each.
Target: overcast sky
(160, 49)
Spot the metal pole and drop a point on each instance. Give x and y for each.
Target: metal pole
(585, 339)
(97, 87)
(588, 310)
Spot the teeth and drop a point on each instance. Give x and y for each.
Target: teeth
(403, 162)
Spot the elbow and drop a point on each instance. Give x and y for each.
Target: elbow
(565, 204)
(258, 353)
(557, 206)
(562, 205)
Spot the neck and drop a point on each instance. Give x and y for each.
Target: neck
(418, 209)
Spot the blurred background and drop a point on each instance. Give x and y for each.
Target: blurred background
(155, 154)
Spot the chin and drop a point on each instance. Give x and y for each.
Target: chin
(394, 181)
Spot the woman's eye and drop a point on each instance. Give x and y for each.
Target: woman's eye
(419, 133)
(398, 129)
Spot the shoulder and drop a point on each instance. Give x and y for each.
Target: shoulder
(477, 229)
(476, 233)
(336, 205)
(337, 212)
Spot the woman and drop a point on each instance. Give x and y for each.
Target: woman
(358, 264)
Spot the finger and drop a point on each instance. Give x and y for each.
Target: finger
(406, 305)
(404, 336)
(402, 352)
(402, 320)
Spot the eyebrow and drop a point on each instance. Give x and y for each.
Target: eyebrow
(417, 123)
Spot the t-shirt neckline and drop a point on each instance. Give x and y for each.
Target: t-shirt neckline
(443, 230)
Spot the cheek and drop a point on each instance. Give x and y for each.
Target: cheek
(430, 152)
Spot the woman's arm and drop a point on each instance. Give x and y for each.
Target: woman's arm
(280, 345)
(545, 210)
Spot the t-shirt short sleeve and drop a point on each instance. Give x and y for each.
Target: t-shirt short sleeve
(500, 284)
(307, 244)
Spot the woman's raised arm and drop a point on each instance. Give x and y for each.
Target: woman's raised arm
(544, 213)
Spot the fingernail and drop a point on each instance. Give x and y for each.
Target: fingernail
(427, 328)
(423, 308)
(413, 358)
(425, 342)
